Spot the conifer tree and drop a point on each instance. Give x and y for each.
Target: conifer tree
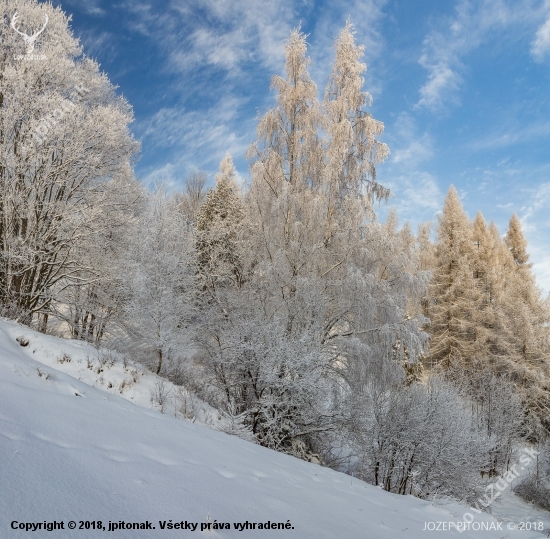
(453, 295)
(287, 149)
(516, 242)
(218, 220)
(353, 150)
(527, 330)
(526, 308)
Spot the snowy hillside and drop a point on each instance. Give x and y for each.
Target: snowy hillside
(72, 452)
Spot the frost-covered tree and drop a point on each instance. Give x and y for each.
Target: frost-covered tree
(527, 329)
(453, 294)
(327, 287)
(158, 281)
(527, 309)
(418, 439)
(486, 312)
(216, 232)
(353, 150)
(190, 199)
(64, 146)
(287, 152)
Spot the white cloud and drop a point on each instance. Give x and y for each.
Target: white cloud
(200, 138)
(214, 49)
(511, 134)
(442, 81)
(417, 194)
(541, 44)
(536, 225)
(414, 152)
(409, 147)
(218, 33)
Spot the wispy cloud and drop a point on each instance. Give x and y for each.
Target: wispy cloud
(193, 139)
(417, 193)
(536, 225)
(218, 33)
(541, 44)
(453, 38)
(91, 7)
(409, 146)
(512, 134)
(219, 56)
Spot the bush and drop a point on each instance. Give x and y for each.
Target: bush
(535, 488)
(420, 439)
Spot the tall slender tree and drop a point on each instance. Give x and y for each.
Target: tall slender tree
(454, 296)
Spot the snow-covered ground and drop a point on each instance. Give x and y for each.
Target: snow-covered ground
(73, 452)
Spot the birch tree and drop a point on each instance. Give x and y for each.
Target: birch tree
(159, 283)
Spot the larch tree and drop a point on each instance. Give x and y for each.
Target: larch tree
(328, 287)
(484, 265)
(528, 310)
(353, 150)
(453, 295)
(527, 327)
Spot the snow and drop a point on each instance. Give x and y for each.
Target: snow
(73, 451)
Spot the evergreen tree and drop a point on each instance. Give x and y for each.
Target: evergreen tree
(218, 220)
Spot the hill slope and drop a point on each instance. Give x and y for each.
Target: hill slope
(74, 452)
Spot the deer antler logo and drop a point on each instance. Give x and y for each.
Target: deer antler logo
(29, 40)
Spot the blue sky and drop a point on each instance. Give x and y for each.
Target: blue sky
(463, 88)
